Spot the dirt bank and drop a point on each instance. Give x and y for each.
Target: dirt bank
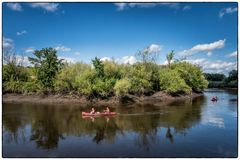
(73, 99)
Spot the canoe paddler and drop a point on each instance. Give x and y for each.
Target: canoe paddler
(92, 111)
(107, 110)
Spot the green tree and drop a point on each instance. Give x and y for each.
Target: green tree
(171, 82)
(99, 67)
(47, 65)
(192, 75)
(122, 87)
(170, 57)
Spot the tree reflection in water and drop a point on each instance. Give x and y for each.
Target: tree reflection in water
(50, 124)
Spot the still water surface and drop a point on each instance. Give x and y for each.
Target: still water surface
(192, 128)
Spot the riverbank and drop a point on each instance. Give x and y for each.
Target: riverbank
(73, 99)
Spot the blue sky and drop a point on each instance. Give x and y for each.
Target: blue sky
(204, 33)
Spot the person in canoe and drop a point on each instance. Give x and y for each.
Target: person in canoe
(92, 111)
(107, 110)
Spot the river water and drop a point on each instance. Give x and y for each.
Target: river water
(191, 128)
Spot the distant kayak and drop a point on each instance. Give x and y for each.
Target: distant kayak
(98, 114)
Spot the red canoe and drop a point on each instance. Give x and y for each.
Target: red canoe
(98, 114)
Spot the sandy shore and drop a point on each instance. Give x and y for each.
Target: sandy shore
(73, 99)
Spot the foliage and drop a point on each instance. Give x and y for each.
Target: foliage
(220, 80)
(103, 88)
(14, 73)
(122, 87)
(214, 76)
(107, 78)
(65, 79)
(99, 67)
(47, 65)
(84, 82)
(192, 75)
(140, 79)
(171, 82)
(112, 70)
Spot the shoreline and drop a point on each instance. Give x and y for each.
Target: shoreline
(73, 99)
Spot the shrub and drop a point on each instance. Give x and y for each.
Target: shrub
(13, 86)
(66, 77)
(171, 82)
(30, 87)
(15, 73)
(122, 87)
(192, 75)
(112, 70)
(83, 83)
(140, 79)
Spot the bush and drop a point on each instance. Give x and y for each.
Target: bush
(84, 82)
(13, 86)
(192, 75)
(171, 82)
(140, 79)
(15, 73)
(30, 87)
(112, 70)
(66, 77)
(122, 87)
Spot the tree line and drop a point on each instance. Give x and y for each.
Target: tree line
(101, 79)
(217, 80)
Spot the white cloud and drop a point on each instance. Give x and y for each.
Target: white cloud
(14, 6)
(234, 54)
(187, 7)
(123, 60)
(29, 50)
(122, 6)
(50, 7)
(203, 48)
(153, 48)
(214, 67)
(209, 54)
(7, 44)
(128, 59)
(20, 60)
(63, 48)
(227, 11)
(210, 118)
(106, 59)
(23, 60)
(21, 32)
(77, 53)
(67, 59)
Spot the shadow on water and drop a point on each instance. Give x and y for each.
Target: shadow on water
(50, 124)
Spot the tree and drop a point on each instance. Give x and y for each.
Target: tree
(99, 67)
(47, 65)
(233, 75)
(170, 57)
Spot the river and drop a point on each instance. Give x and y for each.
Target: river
(190, 128)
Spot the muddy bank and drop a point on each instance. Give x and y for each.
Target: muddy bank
(72, 99)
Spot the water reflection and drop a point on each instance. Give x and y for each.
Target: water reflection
(50, 124)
